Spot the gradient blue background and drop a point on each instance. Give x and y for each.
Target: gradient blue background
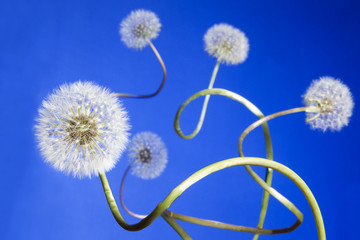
(46, 43)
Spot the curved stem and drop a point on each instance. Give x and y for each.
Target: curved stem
(268, 177)
(162, 83)
(204, 107)
(211, 223)
(202, 173)
(164, 215)
(232, 227)
(121, 196)
(265, 127)
(268, 118)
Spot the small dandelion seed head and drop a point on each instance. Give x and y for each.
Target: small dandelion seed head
(334, 101)
(226, 43)
(147, 154)
(138, 28)
(82, 129)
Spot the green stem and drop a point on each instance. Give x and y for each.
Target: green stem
(249, 169)
(265, 127)
(211, 223)
(175, 226)
(162, 83)
(204, 107)
(164, 215)
(232, 227)
(202, 173)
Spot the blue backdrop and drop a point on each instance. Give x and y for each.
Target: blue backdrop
(46, 43)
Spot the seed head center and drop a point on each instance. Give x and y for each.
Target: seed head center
(139, 30)
(326, 105)
(82, 129)
(145, 155)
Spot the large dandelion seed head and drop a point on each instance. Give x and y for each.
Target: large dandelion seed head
(138, 28)
(82, 129)
(335, 104)
(148, 155)
(226, 43)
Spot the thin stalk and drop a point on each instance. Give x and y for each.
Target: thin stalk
(268, 118)
(164, 215)
(211, 223)
(171, 221)
(261, 121)
(204, 107)
(139, 216)
(162, 83)
(232, 227)
(265, 127)
(202, 173)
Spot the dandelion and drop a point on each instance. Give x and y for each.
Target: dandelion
(335, 103)
(82, 129)
(138, 28)
(226, 43)
(148, 155)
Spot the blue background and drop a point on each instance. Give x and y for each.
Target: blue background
(46, 43)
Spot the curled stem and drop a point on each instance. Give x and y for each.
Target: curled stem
(262, 121)
(182, 233)
(139, 216)
(265, 127)
(162, 83)
(202, 173)
(268, 118)
(204, 107)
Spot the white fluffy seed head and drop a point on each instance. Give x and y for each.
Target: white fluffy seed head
(82, 129)
(335, 104)
(226, 43)
(139, 27)
(148, 155)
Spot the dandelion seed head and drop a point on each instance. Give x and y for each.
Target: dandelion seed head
(226, 43)
(139, 27)
(335, 104)
(148, 155)
(82, 129)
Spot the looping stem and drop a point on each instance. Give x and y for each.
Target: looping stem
(204, 107)
(202, 173)
(268, 144)
(162, 83)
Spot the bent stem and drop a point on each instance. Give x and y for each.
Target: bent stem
(202, 173)
(232, 227)
(265, 127)
(204, 107)
(169, 216)
(139, 216)
(162, 83)
(268, 118)
(261, 121)
(164, 215)
(171, 221)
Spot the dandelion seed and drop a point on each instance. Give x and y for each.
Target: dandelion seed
(226, 43)
(82, 129)
(138, 28)
(148, 155)
(335, 104)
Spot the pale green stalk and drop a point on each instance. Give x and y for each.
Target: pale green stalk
(202, 173)
(252, 127)
(254, 110)
(175, 226)
(210, 223)
(164, 215)
(204, 107)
